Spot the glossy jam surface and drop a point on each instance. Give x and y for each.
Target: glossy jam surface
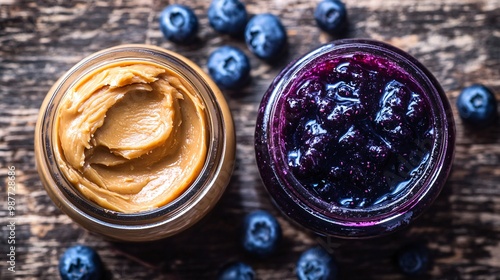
(358, 130)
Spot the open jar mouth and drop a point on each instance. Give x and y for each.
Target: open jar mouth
(188, 198)
(299, 202)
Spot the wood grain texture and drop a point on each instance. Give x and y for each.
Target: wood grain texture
(458, 40)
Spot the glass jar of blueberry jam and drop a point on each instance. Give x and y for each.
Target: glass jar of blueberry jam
(135, 143)
(355, 139)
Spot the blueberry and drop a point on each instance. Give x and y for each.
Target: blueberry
(310, 161)
(229, 67)
(386, 116)
(395, 96)
(353, 138)
(317, 264)
(400, 133)
(265, 36)
(304, 100)
(312, 128)
(261, 234)
(331, 16)
(295, 106)
(237, 271)
(227, 16)
(477, 105)
(178, 23)
(416, 108)
(341, 91)
(320, 142)
(390, 121)
(312, 88)
(378, 152)
(413, 259)
(80, 262)
(341, 104)
(331, 114)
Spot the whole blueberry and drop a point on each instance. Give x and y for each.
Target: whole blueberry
(229, 67)
(413, 259)
(265, 36)
(237, 271)
(261, 233)
(477, 105)
(331, 16)
(316, 263)
(227, 16)
(178, 23)
(80, 262)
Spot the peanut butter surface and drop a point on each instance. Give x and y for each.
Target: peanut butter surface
(131, 136)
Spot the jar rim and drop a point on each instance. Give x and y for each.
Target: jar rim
(350, 221)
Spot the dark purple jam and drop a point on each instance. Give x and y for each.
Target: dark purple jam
(358, 130)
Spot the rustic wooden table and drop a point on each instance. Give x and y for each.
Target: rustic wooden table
(458, 40)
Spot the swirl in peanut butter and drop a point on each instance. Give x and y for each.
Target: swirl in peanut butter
(131, 137)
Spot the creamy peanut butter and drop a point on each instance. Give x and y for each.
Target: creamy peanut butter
(131, 136)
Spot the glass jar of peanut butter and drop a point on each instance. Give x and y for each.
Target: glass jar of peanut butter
(135, 143)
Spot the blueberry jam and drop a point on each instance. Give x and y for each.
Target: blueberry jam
(356, 130)
(355, 139)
